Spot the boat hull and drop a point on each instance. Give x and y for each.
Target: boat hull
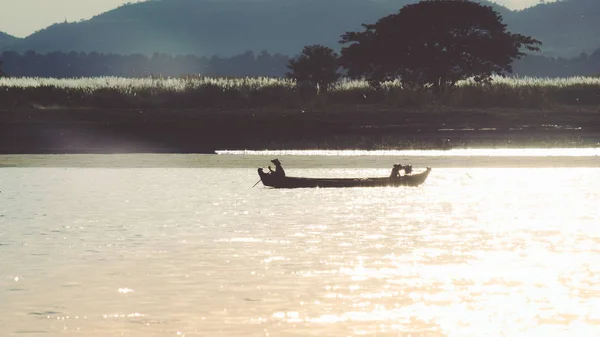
(297, 182)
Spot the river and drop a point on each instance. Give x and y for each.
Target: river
(495, 243)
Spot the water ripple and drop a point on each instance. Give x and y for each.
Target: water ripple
(168, 252)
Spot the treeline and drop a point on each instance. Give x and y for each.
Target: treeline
(540, 66)
(74, 64)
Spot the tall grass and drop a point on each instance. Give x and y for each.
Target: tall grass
(227, 93)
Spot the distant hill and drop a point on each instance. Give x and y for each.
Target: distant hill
(7, 40)
(567, 27)
(208, 27)
(230, 27)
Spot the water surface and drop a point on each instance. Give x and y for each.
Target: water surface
(174, 245)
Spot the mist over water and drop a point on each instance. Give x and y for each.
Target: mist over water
(174, 245)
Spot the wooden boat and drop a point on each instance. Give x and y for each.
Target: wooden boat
(271, 180)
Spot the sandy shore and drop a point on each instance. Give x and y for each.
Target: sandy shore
(369, 127)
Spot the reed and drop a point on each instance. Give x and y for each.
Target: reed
(198, 92)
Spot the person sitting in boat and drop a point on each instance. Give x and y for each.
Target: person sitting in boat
(279, 172)
(407, 169)
(396, 171)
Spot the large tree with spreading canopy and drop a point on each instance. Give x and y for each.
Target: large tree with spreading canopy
(434, 43)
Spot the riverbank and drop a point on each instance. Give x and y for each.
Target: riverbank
(30, 130)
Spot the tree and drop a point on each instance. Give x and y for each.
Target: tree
(434, 43)
(317, 66)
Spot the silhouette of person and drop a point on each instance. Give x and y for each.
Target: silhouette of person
(279, 172)
(396, 171)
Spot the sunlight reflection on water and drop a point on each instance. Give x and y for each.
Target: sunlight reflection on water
(198, 252)
(533, 152)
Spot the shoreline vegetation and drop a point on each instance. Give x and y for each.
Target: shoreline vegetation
(203, 114)
(199, 92)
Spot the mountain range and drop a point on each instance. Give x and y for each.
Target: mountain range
(230, 27)
(6, 40)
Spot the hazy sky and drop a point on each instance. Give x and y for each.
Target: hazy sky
(23, 17)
